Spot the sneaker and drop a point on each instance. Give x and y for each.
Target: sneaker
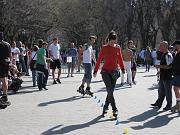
(54, 82)
(166, 108)
(58, 81)
(67, 75)
(45, 88)
(156, 105)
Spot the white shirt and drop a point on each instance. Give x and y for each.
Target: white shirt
(55, 51)
(169, 58)
(16, 52)
(154, 54)
(34, 57)
(87, 55)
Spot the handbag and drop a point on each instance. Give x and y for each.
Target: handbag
(115, 74)
(32, 62)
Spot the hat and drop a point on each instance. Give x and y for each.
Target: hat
(1, 35)
(177, 42)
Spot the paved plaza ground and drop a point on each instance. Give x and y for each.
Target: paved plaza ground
(61, 110)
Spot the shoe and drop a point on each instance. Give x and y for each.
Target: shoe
(115, 113)
(88, 92)
(176, 107)
(58, 81)
(134, 82)
(156, 105)
(54, 82)
(45, 88)
(121, 84)
(4, 101)
(67, 75)
(27, 75)
(105, 110)
(130, 85)
(72, 76)
(81, 90)
(166, 108)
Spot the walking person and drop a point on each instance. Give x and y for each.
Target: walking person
(5, 58)
(88, 55)
(80, 57)
(72, 55)
(108, 52)
(54, 53)
(148, 58)
(176, 78)
(32, 63)
(127, 55)
(21, 59)
(165, 86)
(41, 67)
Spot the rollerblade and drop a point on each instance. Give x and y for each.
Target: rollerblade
(81, 90)
(105, 110)
(115, 114)
(88, 92)
(176, 107)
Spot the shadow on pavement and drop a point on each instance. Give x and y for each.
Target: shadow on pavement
(70, 128)
(70, 99)
(149, 75)
(158, 121)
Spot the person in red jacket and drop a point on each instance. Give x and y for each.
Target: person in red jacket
(111, 54)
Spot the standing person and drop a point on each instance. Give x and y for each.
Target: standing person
(80, 57)
(72, 53)
(176, 78)
(108, 52)
(88, 55)
(33, 61)
(41, 67)
(148, 58)
(165, 85)
(5, 58)
(133, 61)
(54, 52)
(154, 56)
(21, 59)
(15, 54)
(141, 55)
(127, 55)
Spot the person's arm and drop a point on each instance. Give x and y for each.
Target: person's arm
(99, 59)
(120, 60)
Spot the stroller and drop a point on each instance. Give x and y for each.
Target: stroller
(15, 80)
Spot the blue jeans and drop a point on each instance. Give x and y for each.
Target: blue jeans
(42, 76)
(34, 77)
(88, 72)
(22, 65)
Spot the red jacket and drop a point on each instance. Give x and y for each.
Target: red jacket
(112, 58)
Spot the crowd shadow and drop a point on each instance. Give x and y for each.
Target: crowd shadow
(70, 99)
(156, 122)
(57, 130)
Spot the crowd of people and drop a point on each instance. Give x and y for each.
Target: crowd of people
(44, 58)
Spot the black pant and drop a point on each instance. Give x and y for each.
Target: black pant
(164, 90)
(110, 85)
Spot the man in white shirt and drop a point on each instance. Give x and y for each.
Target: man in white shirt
(15, 54)
(88, 55)
(54, 52)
